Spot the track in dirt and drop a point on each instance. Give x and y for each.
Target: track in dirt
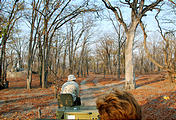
(18, 103)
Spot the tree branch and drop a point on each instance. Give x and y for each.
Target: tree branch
(146, 49)
(150, 7)
(119, 18)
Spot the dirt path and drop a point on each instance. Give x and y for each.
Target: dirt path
(25, 103)
(18, 103)
(89, 93)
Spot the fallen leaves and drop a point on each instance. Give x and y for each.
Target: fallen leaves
(166, 97)
(153, 93)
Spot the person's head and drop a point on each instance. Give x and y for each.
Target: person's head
(118, 105)
(71, 78)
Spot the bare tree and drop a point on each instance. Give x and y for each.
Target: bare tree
(138, 10)
(57, 48)
(18, 45)
(106, 50)
(13, 14)
(35, 23)
(55, 15)
(87, 26)
(74, 37)
(168, 50)
(121, 42)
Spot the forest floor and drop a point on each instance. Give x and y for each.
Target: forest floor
(154, 93)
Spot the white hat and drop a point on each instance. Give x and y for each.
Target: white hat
(71, 78)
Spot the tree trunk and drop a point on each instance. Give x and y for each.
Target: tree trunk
(118, 76)
(129, 84)
(87, 66)
(29, 78)
(40, 58)
(104, 71)
(81, 66)
(94, 68)
(109, 64)
(64, 61)
(29, 75)
(40, 72)
(97, 67)
(44, 84)
(2, 63)
(169, 76)
(43, 73)
(56, 61)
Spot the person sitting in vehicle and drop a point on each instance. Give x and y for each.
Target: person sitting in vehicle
(118, 105)
(71, 87)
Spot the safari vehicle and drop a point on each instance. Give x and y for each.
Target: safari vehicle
(67, 109)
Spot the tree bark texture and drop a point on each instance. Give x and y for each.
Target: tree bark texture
(129, 67)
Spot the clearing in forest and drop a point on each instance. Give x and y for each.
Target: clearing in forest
(153, 92)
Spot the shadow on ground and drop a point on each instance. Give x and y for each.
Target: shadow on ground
(162, 106)
(148, 81)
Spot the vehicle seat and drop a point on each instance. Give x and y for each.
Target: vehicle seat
(67, 100)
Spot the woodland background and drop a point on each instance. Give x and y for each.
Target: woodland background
(129, 42)
(77, 37)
